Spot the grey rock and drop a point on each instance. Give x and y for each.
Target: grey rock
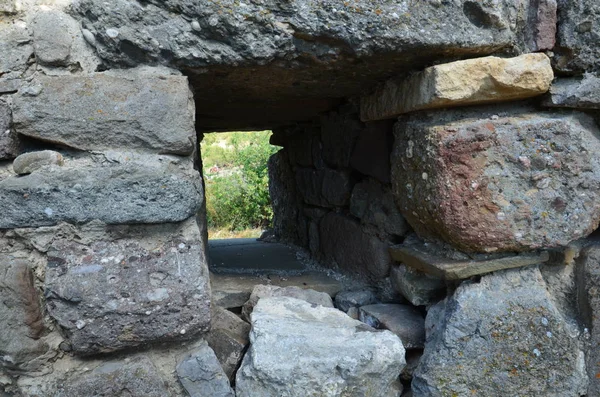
(32, 161)
(403, 320)
(575, 93)
(413, 358)
(53, 34)
(16, 49)
(115, 194)
(22, 324)
(325, 187)
(201, 374)
(8, 6)
(268, 291)
(534, 173)
(117, 110)
(501, 336)
(346, 299)
(373, 203)
(9, 144)
(131, 286)
(578, 42)
(540, 31)
(132, 378)
(418, 288)
(299, 349)
(353, 313)
(339, 131)
(371, 154)
(345, 244)
(229, 338)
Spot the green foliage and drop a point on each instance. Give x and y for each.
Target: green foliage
(237, 181)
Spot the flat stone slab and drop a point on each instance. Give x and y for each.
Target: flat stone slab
(116, 194)
(575, 93)
(460, 83)
(201, 374)
(418, 258)
(128, 286)
(109, 110)
(418, 287)
(403, 320)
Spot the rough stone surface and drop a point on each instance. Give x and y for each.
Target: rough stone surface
(16, 49)
(8, 6)
(325, 187)
(229, 338)
(419, 288)
(470, 82)
(128, 286)
(135, 378)
(298, 349)
(268, 291)
(501, 336)
(403, 320)
(339, 131)
(578, 38)
(201, 374)
(53, 37)
(541, 25)
(9, 145)
(29, 162)
(371, 155)
(373, 203)
(22, 322)
(107, 110)
(483, 182)
(347, 299)
(115, 194)
(344, 243)
(256, 64)
(575, 93)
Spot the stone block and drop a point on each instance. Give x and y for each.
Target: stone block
(344, 243)
(325, 187)
(501, 336)
(118, 110)
(128, 286)
(201, 375)
(541, 25)
(9, 144)
(53, 36)
(32, 161)
(16, 49)
(347, 299)
(417, 287)
(339, 131)
(301, 350)
(484, 183)
(460, 83)
(575, 93)
(114, 194)
(371, 154)
(403, 320)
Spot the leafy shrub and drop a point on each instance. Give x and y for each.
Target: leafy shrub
(237, 181)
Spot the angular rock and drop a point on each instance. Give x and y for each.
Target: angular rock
(541, 25)
(107, 110)
(32, 161)
(575, 93)
(325, 187)
(128, 286)
(269, 291)
(116, 194)
(9, 144)
(16, 49)
(229, 338)
(460, 83)
(374, 205)
(201, 374)
(344, 243)
(22, 322)
(135, 378)
(371, 154)
(501, 336)
(519, 181)
(346, 299)
(417, 287)
(53, 33)
(403, 320)
(299, 350)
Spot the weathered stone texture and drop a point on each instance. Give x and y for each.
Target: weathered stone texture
(501, 336)
(118, 110)
(16, 49)
(339, 131)
(470, 82)
(418, 288)
(32, 161)
(403, 320)
(116, 194)
(325, 187)
(484, 182)
(9, 144)
(541, 25)
(131, 286)
(201, 374)
(575, 93)
(344, 243)
(301, 350)
(347, 299)
(7, 6)
(53, 36)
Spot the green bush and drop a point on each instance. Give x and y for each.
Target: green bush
(237, 181)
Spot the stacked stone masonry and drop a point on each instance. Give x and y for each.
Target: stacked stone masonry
(445, 154)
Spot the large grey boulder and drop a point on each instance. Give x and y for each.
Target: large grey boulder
(114, 194)
(111, 288)
(495, 179)
(501, 336)
(201, 374)
(298, 349)
(110, 110)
